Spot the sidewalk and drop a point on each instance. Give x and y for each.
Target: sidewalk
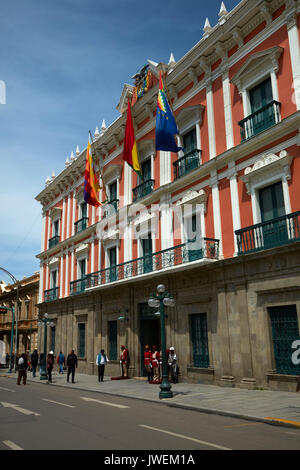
(281, 408)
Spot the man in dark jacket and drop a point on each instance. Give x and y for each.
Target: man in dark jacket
(34, 362)
(71, 364)
(22, 369)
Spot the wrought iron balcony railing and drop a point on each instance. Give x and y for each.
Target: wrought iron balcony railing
(175, 256)
(261, 120)
(143, 190)
(187, 163)
(78, 286)
(81, 224)
(271, 234)
(53, 241)
(51, 294)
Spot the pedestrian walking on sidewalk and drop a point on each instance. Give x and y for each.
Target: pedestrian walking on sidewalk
(34, 362)
(22, 369)
(50, 363)
(124, 360)
(41, 362)
(147, 363)
(101, 361)
(61, 361)
(71, 364)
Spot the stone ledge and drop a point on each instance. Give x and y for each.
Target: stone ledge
(282, 377)
(201, 370)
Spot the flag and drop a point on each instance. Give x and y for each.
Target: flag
(130, 154)
(166, 127)
(91, 182)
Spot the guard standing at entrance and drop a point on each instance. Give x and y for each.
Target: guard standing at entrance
(147, 362)
(124, 358)
(155, 364)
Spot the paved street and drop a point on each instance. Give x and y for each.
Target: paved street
(44, 416)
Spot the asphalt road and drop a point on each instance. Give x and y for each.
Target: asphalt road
(44, 417)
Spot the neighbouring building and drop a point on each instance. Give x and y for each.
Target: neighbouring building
(224, 235)
(25, 317)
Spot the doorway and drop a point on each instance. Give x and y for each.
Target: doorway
(149, 332)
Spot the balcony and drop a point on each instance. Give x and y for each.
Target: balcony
(76, 287)
(187, 163)
(52, 242)
(51, 294)
(81, 224)
(143, 190)
(271, 234)
(111, 208)
(260, 120)
(172, 257)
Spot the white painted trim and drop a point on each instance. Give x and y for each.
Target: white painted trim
(211, 122)
(227, 111)
(235, 207)
(293, 36)
(217, 214)
(41, 282)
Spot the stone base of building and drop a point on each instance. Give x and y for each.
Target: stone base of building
(248, 384)
(227, 381)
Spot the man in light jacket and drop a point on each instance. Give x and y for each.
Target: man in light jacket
(101, 361)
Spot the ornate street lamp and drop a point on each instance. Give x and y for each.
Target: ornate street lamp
(161, 300)
(44, 321)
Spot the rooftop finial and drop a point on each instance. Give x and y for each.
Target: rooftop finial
(77, 151)
(223, 13)
(207, 28)
(97, 133)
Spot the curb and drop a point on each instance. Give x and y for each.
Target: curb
(267, 420)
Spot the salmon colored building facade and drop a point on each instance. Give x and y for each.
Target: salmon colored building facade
(218, 223)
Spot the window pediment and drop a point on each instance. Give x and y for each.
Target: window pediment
(189, 116)
(55, 213)
(82, 249)
(266, 167)
(258, 63)
(112, 173)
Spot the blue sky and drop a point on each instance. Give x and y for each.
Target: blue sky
(64, 63)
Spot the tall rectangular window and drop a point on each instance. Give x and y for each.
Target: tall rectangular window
(113, 340)
(81, 339)
(285, 330)
(199, 340)
(52, 339)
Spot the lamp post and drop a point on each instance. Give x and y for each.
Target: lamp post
(161, 300)
(44, 321)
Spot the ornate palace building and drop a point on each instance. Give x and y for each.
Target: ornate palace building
(218, 223)
(27, 314)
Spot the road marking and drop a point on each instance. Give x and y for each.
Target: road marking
(12, 445)
(241, 425)
(7, 390)
(210, 444)
(104, 402)
(18, 408)
(285, 421)
(58, 403)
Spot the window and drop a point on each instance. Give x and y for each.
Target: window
(82, 267)
(147, 254)
(190, 141)
(56, 228)
(53, 279)
(199, 337)
(113, 192)
(113, 340)
(52, 339)
(83, 209)
(112, 264)
(285, 331)
(81, 339)
(146, 170)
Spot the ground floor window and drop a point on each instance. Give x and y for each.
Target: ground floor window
(200, 354)
(113, 340)
(81, 339)
(285, 330)
(52, 339)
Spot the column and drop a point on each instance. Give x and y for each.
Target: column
(68, 215)
(293, 35)
(43, 231)
(216, 210)
(228, 111)
(41, 283)
(211, 120)
(235, 207)
(165, 167)
(166, 220)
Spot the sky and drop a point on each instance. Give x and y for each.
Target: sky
(63, 64)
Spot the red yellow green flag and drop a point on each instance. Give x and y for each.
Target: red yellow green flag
(91, 182)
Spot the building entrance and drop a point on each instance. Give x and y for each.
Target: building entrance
(149, 331)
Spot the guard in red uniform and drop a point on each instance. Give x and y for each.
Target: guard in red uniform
(124, 361)
(147, 362)
(155, 364)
